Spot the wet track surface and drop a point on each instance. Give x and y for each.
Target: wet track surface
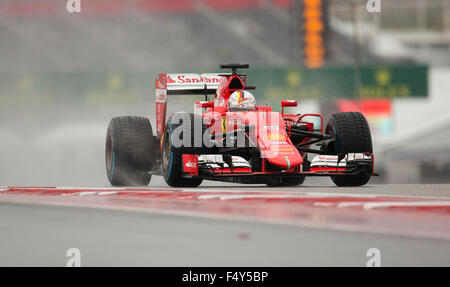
(232, 225)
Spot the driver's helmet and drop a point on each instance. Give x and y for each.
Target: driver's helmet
(241, 100)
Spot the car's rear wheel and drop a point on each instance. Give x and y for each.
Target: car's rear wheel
(172, 154)
(352, 135)
(130, 151)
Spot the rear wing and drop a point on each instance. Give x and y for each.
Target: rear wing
(182, 84)
(192, 84)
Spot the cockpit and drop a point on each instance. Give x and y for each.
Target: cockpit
(241, 100)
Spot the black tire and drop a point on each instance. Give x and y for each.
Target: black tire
(130, 151)
(286, 181)
(352, 134)
(172, 161)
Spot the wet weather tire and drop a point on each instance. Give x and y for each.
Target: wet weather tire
(286, 181)
(352, 135)
(130, 151)
(172, 154)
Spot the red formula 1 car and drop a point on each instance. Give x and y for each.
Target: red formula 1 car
(232, 139)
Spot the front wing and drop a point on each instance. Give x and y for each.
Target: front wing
(350, 164)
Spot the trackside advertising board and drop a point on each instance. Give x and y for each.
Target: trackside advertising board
(272, 85)
(338, 82)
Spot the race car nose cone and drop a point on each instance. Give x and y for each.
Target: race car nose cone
(284, 157)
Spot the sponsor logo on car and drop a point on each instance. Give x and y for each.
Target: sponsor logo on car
(191, 164)
(182, 79)
(275, 137)
(161, 95)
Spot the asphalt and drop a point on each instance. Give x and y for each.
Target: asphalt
(325, 185)
(40, 235)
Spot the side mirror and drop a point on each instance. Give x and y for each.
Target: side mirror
(287, 103)
(205, 104)
(315, 119)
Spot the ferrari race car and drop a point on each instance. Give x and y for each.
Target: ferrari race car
(234, 140)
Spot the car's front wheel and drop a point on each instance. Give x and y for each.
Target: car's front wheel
(172, 154)
(352, 135)
(130, 151)
(286, 181)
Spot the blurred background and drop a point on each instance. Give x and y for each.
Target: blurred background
(64, 75)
